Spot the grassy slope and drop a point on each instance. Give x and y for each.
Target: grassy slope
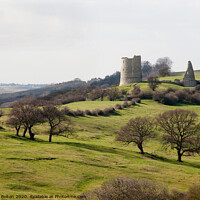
(144, 86)
(71, 166)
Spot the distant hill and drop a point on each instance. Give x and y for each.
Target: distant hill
(40, 92)
(54, 88)
(12, 87)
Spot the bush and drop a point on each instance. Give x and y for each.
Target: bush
(138, 100)
(118, 106)
(158, 96)
(133, 102)
(171, 90)
(170, 99)
(125, 104)
(181, 94)
(87, 112)
(127, 189)
(146, 95)
(79, 113)
(193, 193)
(108, 111)
(195, 98)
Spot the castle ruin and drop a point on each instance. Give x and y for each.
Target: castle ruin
(189, 78)
(131, 70)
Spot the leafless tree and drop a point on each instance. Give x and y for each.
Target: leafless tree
(137, 130)
(15, 122)
(113, 94)
(153, 82)
(163, 66)
(55, 118)
(181, 130)
(25, 113)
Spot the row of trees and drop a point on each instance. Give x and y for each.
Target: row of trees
(27, 113)
(180, 127)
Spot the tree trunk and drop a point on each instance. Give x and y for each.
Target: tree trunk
(179, 155)
(25, 130)
(17, 131)
(141, 148)
(31, 134)
(50, 134)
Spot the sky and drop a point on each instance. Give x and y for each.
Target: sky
(53, 41)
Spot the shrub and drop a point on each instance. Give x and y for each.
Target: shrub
(170, 99)
(181, 94)
(125, 189)
(195, 98)
(108, 111)
(118, 106)
(171, 90)
(79, 112)
(133, 102)
(176, 195)
(136, 90)
(95, 112)
(87, 112)
(146, 95)
(193, 193)
(138, 100)
(158, 96)
(72, 113)
(125, 104)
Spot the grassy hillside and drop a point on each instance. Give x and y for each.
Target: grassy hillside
(69, 166)
(145, 86)
(181, 74)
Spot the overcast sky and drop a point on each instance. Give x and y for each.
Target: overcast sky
(50, 41)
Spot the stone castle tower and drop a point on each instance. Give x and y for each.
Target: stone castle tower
(189, 78)
(131, 70)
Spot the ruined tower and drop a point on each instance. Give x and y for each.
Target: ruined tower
(131, 70)
(189, 78)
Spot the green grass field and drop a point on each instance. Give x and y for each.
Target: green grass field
(69, 166)
(145, 86)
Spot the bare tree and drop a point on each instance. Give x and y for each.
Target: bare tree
(136, 90)
(137, 130)
(55, 117)
(181, 130)
(113, 94)
(153, 82)
(25, 113)
(163, 66)
(97, 93)
(147, 68)
(15, 122)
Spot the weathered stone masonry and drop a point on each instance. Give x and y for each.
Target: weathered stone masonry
(189, 78)
(131, 70)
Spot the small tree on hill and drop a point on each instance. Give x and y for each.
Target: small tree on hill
(137, 130)
(113, 94)
(55, 117)
(15, 122)
(153, 82)
(25, 113)
(181, 130)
